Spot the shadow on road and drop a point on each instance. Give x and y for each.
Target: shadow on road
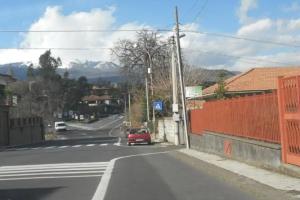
(26, 193)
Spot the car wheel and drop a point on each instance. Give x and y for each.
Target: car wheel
(129, 144)
(149, 143)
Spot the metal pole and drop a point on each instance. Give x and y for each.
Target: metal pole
(181, 79)
(147, 98)
(129, 108)
(174, 89)
(152, 92)
(125, 108)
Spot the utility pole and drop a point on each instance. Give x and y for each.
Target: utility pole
(150, 72)
(129, 108)
(174, 91)
(147, 98)
(125, 108)
(184, 114)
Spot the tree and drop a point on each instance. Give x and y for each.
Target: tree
(221, 90)
(30, 71)
(48, 65)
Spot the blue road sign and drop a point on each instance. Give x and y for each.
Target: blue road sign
(158, 105)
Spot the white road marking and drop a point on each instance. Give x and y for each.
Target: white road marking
(117, 144)
(61, 147)
(51, 147)
(76, 146)
(103, 185)
(90, 145)
(103, 144)
(60, 170)
(49, 177)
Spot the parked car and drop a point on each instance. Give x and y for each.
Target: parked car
(139, 136)
(60, 126)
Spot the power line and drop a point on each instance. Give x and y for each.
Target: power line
(190, 8)
(55, 48)
(154, 30)
(243, 38)
(200, 11)
(83, 30)
(238, 57)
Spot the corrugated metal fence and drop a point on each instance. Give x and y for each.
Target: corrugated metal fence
(255, 117)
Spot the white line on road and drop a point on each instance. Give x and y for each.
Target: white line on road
(51, 173)
(51, 147)
(103, 144)
(90, 145)
(76, 146)
(61, 147)
(60, 170)
(50, 177)
(103, 185)
(51, 170)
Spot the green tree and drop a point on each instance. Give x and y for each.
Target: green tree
(48, 65)
(30, 71)
(221, 90)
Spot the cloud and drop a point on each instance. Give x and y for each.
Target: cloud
(201, 50)
(245, 7)
(54, 19)
(210, 51)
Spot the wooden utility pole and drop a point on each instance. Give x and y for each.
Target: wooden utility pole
(184, 114)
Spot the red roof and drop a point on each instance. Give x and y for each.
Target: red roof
(256, 79)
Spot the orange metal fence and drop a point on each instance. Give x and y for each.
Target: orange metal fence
(255, 117)
(289, 103)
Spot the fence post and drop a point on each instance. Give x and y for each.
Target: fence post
(281, 103)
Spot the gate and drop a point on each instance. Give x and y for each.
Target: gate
(289, 114)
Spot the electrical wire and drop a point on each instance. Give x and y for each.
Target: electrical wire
(237, 57)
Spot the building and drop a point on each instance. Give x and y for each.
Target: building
(100, 90)
(94, 100)
(254, 81)
(4, 81)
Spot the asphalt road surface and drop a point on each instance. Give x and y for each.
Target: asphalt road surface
(93, 162)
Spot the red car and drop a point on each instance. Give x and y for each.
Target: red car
(139, 136)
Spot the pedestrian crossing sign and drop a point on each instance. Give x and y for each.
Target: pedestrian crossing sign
(158, 105)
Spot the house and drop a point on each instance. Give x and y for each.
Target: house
(253, 81)
(5, 80)
(94, 100)
(100, 90)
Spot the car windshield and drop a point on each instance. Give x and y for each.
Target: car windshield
(61, 124)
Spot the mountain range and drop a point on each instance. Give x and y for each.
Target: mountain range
(106, 71)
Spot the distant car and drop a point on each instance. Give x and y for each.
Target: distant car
(139, 136)
(60, 126)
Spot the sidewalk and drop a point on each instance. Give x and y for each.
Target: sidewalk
(272, 179)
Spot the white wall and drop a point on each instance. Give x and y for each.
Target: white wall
(167, 129)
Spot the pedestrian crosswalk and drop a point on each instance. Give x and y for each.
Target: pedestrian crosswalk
(52, 171)
(63, 147)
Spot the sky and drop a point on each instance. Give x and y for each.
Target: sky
(261, 32)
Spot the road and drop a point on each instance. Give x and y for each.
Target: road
(93, 162)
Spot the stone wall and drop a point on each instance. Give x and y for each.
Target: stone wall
(261, 154)
(26, 131)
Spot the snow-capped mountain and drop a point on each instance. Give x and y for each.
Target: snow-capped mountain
(93, 70)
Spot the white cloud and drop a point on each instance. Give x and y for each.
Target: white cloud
(199, 49)
(245, 7)
(54, 19)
